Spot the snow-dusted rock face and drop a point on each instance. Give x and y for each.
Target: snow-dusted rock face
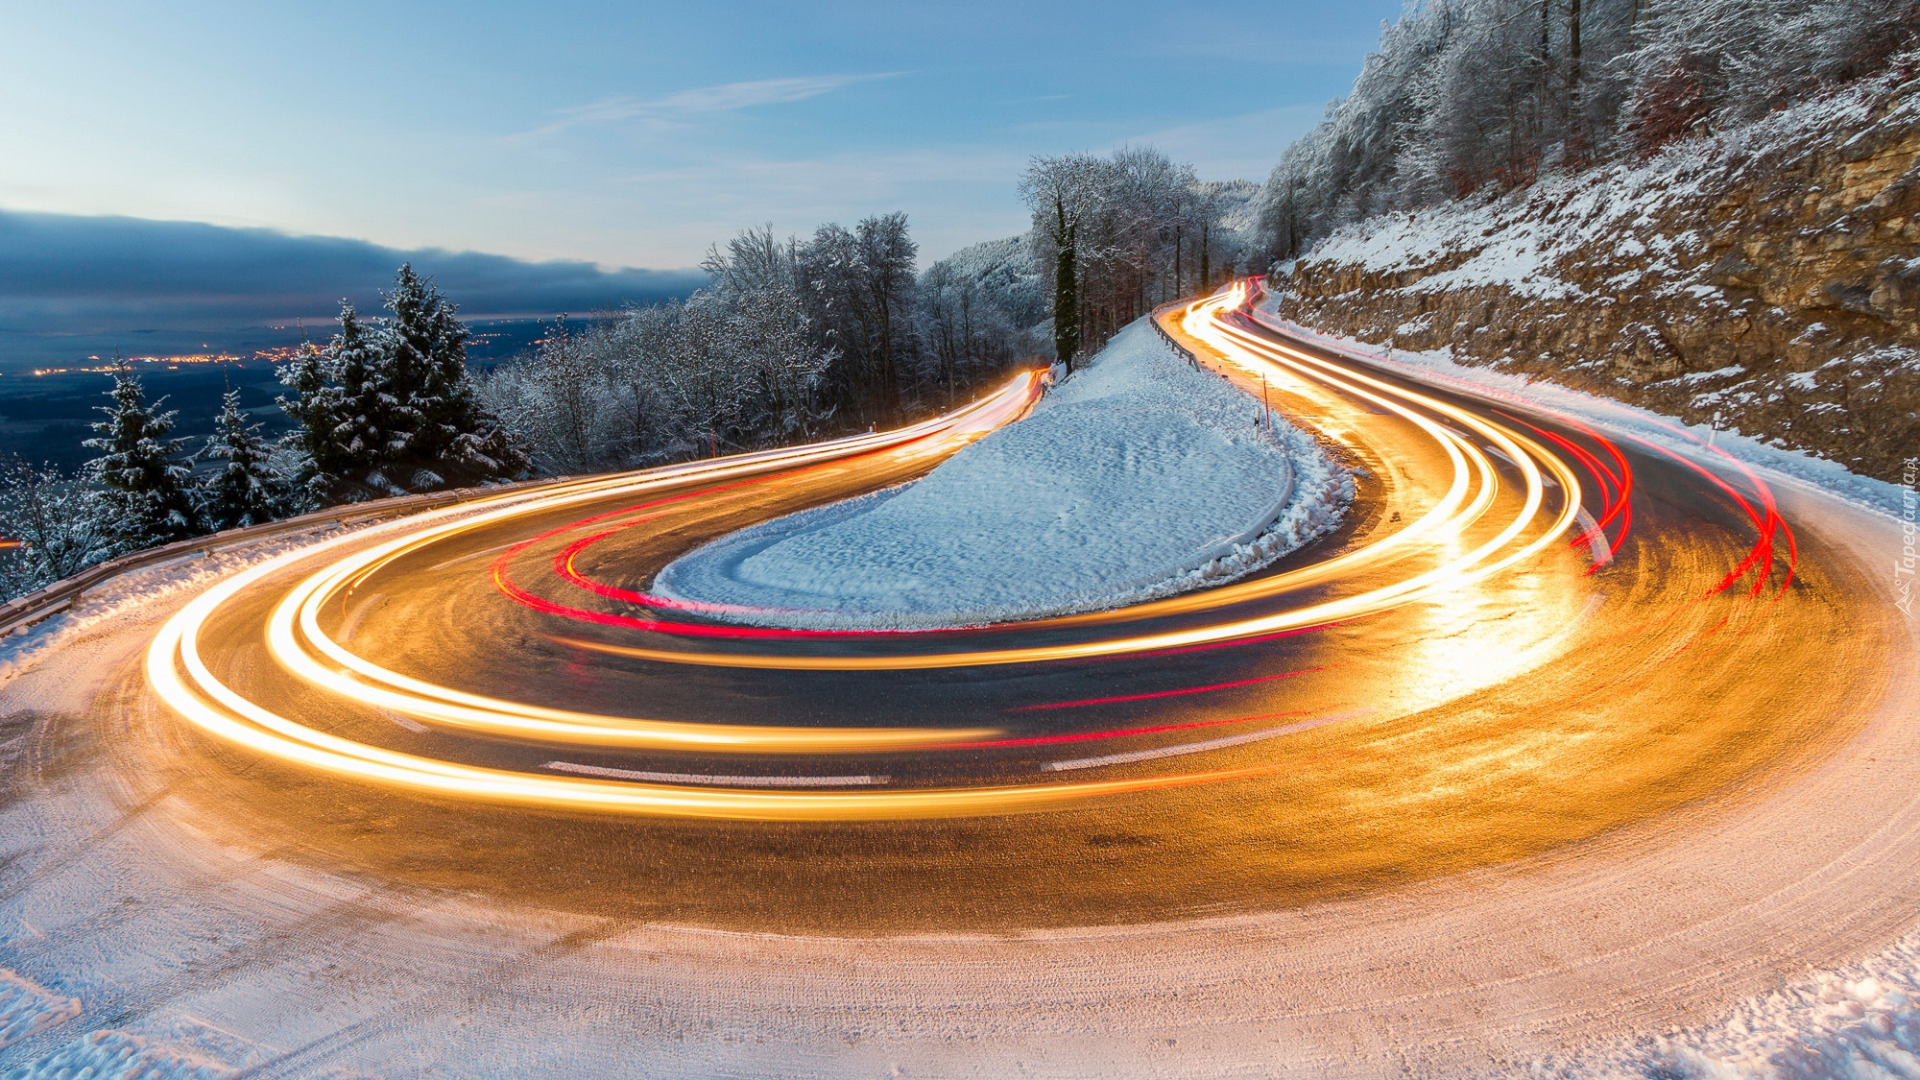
(1765, 279)
(1139, 477)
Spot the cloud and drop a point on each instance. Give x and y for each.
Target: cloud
(726, 97)
(64, 276)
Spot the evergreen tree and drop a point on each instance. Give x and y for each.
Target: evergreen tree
(146, 498)
(1060, 191)
(246, 491)
(387, 408)
(318, 478)
(369, 424)
(438, 424)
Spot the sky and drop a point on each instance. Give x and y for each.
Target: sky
(635, 134)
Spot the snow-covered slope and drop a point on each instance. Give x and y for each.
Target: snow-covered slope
(1764, 278)
(1139, 477)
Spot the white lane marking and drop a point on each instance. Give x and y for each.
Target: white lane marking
(407, 722)
(1545, 480)
(366, 607)
(1596, 540)
(716, 781)
(1198, 747)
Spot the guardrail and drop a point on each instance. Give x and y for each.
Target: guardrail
(52, 599)
(57, 597)
(1169, 338)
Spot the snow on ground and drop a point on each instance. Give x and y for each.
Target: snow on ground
(1861, 1021)
(1437, 368)
(1139, 477)
(1519, 239)
(26, 1007)
(120, 1055)
(133, 591)
(112, 1054)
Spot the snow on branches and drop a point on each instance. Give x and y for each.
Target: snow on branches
(1469, 95)
(388, 408)
(791, 339)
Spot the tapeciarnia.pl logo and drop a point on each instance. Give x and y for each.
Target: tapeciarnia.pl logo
(1903, 567)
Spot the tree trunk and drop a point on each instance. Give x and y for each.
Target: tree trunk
(1179, 241)
(1206, 259)
(1544, 99)
(889, 387)
(1066, 301)
(1576, 129)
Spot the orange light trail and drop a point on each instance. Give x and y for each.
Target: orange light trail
(1466, 533)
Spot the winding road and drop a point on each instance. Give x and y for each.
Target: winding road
(1564, 736)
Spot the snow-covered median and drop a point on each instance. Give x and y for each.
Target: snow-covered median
(1137, 478)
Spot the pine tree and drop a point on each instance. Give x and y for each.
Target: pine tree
(318, 478)
(438, 423)
(370, 424)
(246, 491)
(146, 497)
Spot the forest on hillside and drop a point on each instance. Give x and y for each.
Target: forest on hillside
(1466, 96)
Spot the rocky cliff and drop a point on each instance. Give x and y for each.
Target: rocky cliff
(1765, 278)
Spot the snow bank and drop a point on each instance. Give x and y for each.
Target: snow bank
(27, 1007)
(132, 591)
(1859, 1021)
(1137, 478)
(1438, 368)
(120, 1055)
(1524, 240)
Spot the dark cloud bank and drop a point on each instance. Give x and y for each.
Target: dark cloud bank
(73, 286)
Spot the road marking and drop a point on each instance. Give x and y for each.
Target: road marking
(366, 607)
(1198, 747)
(407, 722)
(1596, 540)
(716, 781)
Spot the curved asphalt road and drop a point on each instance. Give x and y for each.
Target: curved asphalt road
(1647, 769)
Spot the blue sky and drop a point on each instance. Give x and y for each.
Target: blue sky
(634, 134)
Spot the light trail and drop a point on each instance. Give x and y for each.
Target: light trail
(1448, 521)
(1478, 525)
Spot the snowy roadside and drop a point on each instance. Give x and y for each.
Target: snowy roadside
(1137, 478)
(132, 591)
(1860, 1020)
(1437, 368)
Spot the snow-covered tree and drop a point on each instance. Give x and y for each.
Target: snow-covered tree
(1465, 95)
(565, 401)
(146, 494)
(1061, 192)
(246, 490)
(1113, 235)
(738, 364)
(53, 524)
(860, 289)
(438, 423)
(388, 407)
(368, 414)
(320, 461)
(981, 311)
